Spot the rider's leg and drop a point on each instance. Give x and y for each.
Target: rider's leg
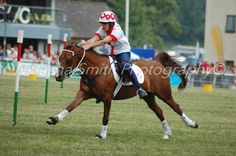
(124, 59)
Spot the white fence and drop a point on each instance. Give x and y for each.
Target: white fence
(221, 81)
(26, 68)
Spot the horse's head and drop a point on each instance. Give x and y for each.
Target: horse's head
(70, 58)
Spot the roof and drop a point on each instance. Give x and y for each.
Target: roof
(82, 16)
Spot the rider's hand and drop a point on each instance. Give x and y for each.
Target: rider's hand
(83, 42)
(86, 46)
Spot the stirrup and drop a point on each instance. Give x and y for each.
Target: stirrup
(142, 93)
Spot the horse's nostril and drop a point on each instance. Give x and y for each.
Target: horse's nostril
(59, 78)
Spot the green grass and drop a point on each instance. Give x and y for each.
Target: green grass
(133, 128)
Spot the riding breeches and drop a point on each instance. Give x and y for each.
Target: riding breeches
(125, 62)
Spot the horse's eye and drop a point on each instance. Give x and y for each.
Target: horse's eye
(68, 56)
(68, 62)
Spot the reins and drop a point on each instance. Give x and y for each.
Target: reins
(78, 65)
(81, 70)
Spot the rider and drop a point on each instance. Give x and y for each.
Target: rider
(111, 33)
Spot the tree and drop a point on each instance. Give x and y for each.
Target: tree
(161, 23)
(149, 20)
(192, 19)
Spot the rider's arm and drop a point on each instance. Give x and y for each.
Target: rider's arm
(93, 39)
(98, 43)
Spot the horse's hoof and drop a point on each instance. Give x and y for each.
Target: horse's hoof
(98, 101)
(52, 120)
(166, 137)
(195, 125)
(98, 136)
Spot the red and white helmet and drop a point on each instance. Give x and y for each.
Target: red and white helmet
(107, 16)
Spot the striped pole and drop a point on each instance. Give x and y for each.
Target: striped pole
(64, 45)
(65, 40)
(19, 42)
(48, 70)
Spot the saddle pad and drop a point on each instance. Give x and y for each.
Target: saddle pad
(138, 72)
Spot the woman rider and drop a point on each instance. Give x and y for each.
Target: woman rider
(111, 33)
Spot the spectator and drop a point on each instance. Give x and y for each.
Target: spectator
(37, 56)
(26, 54)
(234, 70)
(4, 1)
(206, 67)
(31, 49)
(8, 49)
(13, 53)
(3, 53)
(55, 57)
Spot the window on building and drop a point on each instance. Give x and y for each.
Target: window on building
(230, 24)
(41, 3)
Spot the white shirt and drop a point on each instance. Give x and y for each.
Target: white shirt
(119, 43)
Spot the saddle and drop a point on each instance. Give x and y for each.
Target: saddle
(122, 79)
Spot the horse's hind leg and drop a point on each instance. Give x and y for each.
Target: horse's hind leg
(175, 106)
(150, 100)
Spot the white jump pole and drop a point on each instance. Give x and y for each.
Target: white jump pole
(48, 65)
(65, 40)
(19, 41)
(64, 45)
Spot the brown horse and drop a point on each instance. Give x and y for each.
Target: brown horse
(98, 82)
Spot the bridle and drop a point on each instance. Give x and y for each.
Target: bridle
(69, 70)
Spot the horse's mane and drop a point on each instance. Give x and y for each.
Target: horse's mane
(91, 50)
(96, 53)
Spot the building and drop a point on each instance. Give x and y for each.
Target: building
(40, 18)
(37, 19)
(82, 16)
(220, 31)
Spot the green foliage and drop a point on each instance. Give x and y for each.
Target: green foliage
(192, 19)
(148, 20)
(133, 128)
(162, 23)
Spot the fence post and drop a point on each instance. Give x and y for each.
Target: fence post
(48, 65)
(19, 41)
(64, 45)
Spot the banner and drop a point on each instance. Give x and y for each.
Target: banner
(26, 68)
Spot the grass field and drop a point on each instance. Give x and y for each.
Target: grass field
(133, 128)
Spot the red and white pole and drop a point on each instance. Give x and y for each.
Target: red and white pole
(19, 42)
(64, 45)
(48, 67)
(65, 40)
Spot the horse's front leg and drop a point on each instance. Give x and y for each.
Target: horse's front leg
(107, 106)
(80, 97)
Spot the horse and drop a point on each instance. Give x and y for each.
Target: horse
(96, 78)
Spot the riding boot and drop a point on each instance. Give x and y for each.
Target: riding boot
(124, 59)
(142, 93)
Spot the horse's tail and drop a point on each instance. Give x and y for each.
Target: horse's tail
(169, 62)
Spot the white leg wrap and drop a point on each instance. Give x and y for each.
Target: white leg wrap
(167, 130)
(186, 120)
(62, 115)
(104, 131)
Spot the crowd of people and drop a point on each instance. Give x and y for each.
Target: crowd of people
(28, 54)
(211, 68)
(31, 55)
